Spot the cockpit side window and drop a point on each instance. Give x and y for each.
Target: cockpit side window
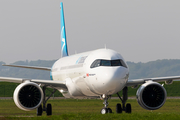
(96, 63)
(123, 64)
(100, 62)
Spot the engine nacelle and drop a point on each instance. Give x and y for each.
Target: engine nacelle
(151, 95)
(28, 96)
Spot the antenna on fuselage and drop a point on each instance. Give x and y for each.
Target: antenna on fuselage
(105, 46)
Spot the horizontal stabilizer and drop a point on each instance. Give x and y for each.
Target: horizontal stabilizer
(29, 67)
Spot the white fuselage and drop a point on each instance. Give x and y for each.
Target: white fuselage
(83, 80)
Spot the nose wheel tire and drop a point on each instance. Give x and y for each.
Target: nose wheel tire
(104, 110)
(109, 110)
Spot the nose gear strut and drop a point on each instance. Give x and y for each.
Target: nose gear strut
(105, 110)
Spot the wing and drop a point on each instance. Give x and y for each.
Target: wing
(157, 79)
(49, 83)
(30, 67)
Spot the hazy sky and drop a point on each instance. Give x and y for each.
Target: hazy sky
(141, 30)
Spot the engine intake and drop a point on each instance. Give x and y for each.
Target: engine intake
(151, 95)
(28, 96)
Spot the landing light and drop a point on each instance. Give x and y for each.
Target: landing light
(61, 91)
(103, 96)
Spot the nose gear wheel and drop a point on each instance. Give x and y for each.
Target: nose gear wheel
(105, 109)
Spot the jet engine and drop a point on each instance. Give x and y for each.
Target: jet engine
(28, 96)
(151, 95)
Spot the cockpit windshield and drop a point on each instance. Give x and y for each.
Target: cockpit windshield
(101, 62)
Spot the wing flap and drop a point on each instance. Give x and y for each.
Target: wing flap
(14, 80)
(157, 79)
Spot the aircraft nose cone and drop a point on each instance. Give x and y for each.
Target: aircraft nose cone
(112, 80)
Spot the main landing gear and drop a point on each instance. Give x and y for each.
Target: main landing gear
(125, 107)
(43, 107)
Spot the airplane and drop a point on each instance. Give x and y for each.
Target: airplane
(95, 74)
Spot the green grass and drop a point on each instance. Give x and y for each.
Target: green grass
(90, 109)
(67, 109)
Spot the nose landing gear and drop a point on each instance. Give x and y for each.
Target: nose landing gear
(105, 110)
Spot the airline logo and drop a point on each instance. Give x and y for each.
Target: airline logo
(63, 43)
(88, 75)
